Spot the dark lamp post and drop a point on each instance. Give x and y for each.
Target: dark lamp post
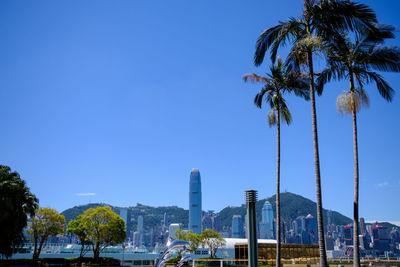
(251, 199)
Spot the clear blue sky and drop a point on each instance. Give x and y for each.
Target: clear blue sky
(116, 102)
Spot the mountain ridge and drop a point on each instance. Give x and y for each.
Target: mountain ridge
(292, 206)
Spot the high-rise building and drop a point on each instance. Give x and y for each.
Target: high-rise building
(172, 228)
(123, 213)
(216, 223)
(331, 219)
(195, 201)
(206, 222)
(237, 227)
(362, 226)
(267, 221)
(312, 229)
(381, 238)
(140, 224)
(165, 220)
(348, 235)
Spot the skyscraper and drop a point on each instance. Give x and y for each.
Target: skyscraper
(237, 227)
(267, 221)
(311, 226)
(140, 224)
(216, 222)
(195, 201)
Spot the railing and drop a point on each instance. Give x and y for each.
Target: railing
(306, 262)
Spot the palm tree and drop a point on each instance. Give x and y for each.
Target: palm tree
(307, 35)
(280, 81)
(356, 61)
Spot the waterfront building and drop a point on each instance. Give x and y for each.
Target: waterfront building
(362, 226)
(267, 221)
(172, 228)
(300, 224)
(380, 238)
(140, 224)
(195, 201)
(348, 235)
(206, 222)
(123, 213)
(237, 227)
(312, 230)
(216, 223)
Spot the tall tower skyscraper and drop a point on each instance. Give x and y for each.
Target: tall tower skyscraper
(195, 201)
(267, 221)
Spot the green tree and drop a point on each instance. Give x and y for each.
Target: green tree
(104, 228)
(280, 81)
(307, 35)
(212, 240)
(78, 228)
(179, 234)
(189, 236)
(356, 61)
(46, 222)
(16, 204)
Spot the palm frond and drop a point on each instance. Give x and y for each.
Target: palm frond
(258, 99)
(341, 15)
(271, 118)
(276, 36)
(376, 34)
(286, 116)
(384, 58)
(384, 88)
(335, 72)
(254, 78)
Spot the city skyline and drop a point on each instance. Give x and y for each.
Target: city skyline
(116, 103)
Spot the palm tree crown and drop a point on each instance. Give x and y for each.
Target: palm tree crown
(280, 80)
(358, 61)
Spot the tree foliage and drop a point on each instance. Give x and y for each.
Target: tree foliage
(46, 222)
(212, 240)
(16, 204)
(78, 228)
(104, 228)
(189, 236)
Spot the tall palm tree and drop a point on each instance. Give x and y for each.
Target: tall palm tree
(280, 81)
(307, 35)
(356, 61)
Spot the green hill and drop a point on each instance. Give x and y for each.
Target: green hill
(292, 206)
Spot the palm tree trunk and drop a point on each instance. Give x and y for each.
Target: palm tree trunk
(278, 202)
(320, 222)
(323, 262)
(356, 259)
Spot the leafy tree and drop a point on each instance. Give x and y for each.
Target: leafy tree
(212, 240)
(16, 204)
(180, 234)
(104, 228)
(46, 222)
(77, 227)
(280, 81)
(356, 61)
(307, 34)
(189, 236)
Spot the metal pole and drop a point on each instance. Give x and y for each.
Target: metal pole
(251, 199)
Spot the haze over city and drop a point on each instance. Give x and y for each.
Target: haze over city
(117, 102)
